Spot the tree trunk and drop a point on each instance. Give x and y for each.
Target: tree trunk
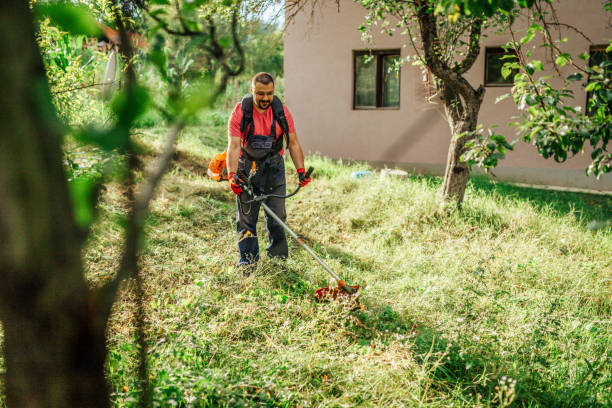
(53, 357)
(54, 344)
(462, 116)
(457, 172)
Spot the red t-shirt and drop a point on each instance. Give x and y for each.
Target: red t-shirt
(262, 121)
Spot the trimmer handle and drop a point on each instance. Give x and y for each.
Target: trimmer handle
(261, 197)
(241, 183)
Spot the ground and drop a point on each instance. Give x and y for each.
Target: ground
(504, 302)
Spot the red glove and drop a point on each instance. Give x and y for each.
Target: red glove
(302, 176)
(235, 187)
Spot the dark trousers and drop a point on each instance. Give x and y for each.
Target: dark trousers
(246, 223)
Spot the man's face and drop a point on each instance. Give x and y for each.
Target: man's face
(263, 94)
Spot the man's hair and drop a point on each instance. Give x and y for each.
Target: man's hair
(263, 77)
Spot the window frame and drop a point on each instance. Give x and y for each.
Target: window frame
(495, 51)
(378, 54)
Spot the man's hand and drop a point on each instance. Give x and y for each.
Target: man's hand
(235, 187)
(302, 175)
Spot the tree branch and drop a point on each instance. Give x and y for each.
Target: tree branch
(431, 48)
(523, 63)
(83, 87)
(571, 27)
(474, 47)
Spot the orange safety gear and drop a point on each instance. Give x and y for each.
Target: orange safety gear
(217, 166)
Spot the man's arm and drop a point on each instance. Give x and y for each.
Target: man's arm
(233, 139)
(233, 153)
(295, 150)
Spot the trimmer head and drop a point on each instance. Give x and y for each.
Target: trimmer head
(342, 290)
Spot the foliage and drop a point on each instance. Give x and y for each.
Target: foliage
(451, 32)
(72, 64)
(262, 43)
(75, 64)
(488, 8)
(548, 119)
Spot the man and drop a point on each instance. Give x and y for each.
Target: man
(256, 131)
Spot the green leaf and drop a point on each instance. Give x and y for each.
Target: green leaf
(563, 59)
(159, 59)
(158, 12)
(74, 19)
(531, 32)
(506, 71)
(106, 139)
(575, 77)
(525, 3)
(528, 37)
(530, 100)
(592, 86)
(537, 64)
(202, 96)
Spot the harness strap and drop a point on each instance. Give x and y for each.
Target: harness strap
(247, 125)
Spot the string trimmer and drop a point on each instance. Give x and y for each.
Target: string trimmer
(323, 293)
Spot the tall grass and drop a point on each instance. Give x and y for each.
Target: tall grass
(504, 303)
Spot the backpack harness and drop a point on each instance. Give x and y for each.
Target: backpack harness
(258, 148)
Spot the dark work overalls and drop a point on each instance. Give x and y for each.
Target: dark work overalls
(268, 178)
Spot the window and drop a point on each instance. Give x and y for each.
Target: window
(494, 61)
(598, 55)
(377, 79)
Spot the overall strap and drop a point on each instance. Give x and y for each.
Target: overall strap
(247, 118)
(279, 114)
(247, 125)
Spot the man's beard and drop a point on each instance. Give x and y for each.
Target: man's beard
(263, 104)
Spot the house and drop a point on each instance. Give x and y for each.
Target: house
(345, 107)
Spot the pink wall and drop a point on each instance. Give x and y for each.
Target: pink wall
(319, 92)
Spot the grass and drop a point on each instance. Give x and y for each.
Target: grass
(504, 303)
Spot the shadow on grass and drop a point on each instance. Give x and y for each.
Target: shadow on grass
(188, 161)
(585, 207)
(452, 368)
